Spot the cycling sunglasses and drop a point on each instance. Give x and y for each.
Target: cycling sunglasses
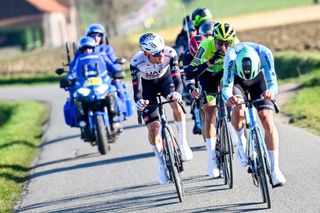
(222, 43)
(158, 54)
(95, 35)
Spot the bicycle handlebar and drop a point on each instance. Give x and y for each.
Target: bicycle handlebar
(249, 102)
(139, 113)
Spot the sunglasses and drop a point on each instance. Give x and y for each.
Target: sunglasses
(96, 34)
(222, 43)
(158, 54)
(87, 47)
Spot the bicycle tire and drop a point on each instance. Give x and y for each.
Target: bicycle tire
(172, 163)
(262, 176)
(227, 153)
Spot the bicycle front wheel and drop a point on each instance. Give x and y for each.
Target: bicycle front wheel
(262, 174)
(174, 161)
(227, 153)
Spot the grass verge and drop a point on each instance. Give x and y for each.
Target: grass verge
(20, 129)
(304, 68)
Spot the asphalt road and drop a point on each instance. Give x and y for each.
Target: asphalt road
(70, 176)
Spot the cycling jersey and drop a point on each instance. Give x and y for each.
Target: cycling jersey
(143, 70)
(206, 51)
(266, 66)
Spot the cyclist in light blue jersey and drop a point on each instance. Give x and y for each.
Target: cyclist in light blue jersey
(249, 67)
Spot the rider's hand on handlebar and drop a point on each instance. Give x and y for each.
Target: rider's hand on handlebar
(142, 104)
(195, 93)
(268, 94)
(175, 96)
(232, 101)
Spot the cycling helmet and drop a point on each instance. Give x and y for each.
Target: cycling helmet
(86, 42)
(199, 15)
(151, 43)
(224, 32)
(206, 28)
(247, 63)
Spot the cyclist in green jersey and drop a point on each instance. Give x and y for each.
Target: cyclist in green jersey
(207, 65)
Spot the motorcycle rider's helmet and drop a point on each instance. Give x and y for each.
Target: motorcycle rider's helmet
(247, 63)
(206, 29)
(151, 43)
(199, 15)
(86, 42)
(96, 28)
(224, 32)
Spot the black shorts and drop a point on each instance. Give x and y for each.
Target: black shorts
(255, 88)
(149, 90)
(209, 83)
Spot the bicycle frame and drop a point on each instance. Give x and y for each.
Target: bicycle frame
(171, 149)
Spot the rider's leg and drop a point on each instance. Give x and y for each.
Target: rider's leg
(180, 121)
(272, 141)
(210, 137)
(155, 141)
(238, 122)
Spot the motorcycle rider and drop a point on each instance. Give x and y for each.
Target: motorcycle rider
(94, 63)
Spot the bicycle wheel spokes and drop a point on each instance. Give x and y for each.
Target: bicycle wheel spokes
(227, 154)
(262, 175)
(174, 161)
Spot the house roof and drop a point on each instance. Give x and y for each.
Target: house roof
(48, 5)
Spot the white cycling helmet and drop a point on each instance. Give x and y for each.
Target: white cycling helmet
(151, 43)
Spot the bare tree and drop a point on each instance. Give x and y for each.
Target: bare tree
(111, 12)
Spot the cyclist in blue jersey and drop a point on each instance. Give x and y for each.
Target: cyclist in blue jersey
(249, 67)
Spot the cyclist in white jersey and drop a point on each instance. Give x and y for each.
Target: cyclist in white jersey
(249, 67)
(154, 70)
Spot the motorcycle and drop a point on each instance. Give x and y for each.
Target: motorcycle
(88, 108)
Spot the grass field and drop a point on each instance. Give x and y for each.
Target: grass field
(173, 13)
(20, 129)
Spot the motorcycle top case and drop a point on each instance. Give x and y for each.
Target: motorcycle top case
(71, 113)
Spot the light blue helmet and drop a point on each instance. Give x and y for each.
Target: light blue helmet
(87, 42)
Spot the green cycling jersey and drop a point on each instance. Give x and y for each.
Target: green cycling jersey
(206, 51)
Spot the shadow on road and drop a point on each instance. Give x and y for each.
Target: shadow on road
(61, 139)
(91, 164)
(149, 196)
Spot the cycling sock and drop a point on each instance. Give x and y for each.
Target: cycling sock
(158, 154)
(181, 127)
(242, 140)
(274, 160)
(211, 147)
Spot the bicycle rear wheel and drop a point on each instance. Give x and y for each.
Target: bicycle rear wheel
(174, 161)
(262, 174)
(227, 152)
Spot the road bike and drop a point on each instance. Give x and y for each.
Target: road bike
(171, 149)
(224, 145)
(258, 158)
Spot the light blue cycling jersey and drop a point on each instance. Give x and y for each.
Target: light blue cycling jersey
(266, 66)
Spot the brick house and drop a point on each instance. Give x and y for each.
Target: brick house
(32, 23)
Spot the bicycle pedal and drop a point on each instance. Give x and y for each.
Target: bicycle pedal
(249, 170)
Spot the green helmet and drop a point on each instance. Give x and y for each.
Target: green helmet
(247, 63)
(224, 32)
(199, 15)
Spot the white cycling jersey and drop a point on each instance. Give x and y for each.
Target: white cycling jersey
(149, 71)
